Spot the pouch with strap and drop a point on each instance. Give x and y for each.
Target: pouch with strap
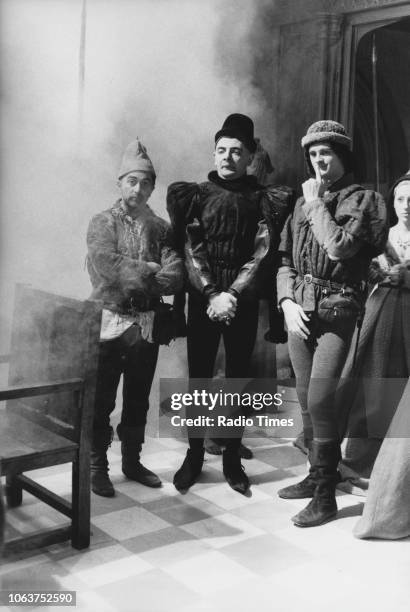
(169, 323)
(339, 306)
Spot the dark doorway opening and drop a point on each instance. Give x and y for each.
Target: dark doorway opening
(392, 44)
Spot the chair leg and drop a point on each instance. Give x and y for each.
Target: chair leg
(14, 491)
(80, 530)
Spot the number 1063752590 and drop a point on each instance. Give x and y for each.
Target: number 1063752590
(39, 598)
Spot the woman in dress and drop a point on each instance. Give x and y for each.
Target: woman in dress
(383, 355)
(387, 509)
(327, 245)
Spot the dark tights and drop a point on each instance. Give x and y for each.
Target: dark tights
(203, 340)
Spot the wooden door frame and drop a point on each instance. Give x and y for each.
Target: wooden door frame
(355, 26)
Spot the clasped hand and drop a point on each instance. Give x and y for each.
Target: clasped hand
(222, 307)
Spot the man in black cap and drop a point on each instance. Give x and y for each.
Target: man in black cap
(228, 227)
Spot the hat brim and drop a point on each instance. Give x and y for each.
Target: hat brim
(309, 139)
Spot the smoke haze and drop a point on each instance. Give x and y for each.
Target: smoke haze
(168, 71)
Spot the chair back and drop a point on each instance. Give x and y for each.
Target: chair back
(55, 338)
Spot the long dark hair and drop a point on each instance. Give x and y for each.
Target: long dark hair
(345, 155)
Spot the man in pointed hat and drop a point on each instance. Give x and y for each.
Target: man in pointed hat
(228, 227)
(132, 264)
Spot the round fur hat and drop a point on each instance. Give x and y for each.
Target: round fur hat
(326, 131)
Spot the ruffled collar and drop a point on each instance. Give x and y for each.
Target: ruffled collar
(246, 182)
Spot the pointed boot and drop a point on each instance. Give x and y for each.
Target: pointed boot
(234, 472)
(190, 470)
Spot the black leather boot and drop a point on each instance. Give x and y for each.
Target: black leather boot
(132, 439)
(233, 471)
(190, 470)
(100, 481)
(301, 490)
(323, 507)
(214, 448)
(245, 452)
(306, 487)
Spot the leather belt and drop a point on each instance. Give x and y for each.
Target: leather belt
(327, 284)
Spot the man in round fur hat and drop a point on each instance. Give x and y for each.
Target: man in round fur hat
(132, 264)
(229, 228)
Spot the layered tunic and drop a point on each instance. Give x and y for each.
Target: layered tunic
(332, 238)
(119, 249)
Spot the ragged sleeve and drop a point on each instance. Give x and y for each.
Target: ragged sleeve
(108, 265)
(361, 222)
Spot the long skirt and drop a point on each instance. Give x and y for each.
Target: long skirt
(370, 391)
(387, 508)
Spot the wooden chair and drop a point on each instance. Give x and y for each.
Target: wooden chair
(47, 418)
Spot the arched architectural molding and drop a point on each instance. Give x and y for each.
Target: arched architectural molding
(356, 25)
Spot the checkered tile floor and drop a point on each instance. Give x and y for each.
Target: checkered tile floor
(211, 549)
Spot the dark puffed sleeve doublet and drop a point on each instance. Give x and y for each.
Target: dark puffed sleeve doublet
(227, 232)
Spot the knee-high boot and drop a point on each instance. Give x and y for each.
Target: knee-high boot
(100, 481)
(322, 507)
(132, 439)
(306, 487)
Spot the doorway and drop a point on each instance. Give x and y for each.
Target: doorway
(392, 46)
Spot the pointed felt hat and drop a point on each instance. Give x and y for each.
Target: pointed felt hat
(136, 158)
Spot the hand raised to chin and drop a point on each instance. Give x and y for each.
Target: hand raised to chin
(313, 188)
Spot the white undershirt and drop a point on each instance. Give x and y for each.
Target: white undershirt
(114, 324)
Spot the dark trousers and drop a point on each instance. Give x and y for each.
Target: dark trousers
(204, 336)
(203, 339)
(136, 360)
(318, 363)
